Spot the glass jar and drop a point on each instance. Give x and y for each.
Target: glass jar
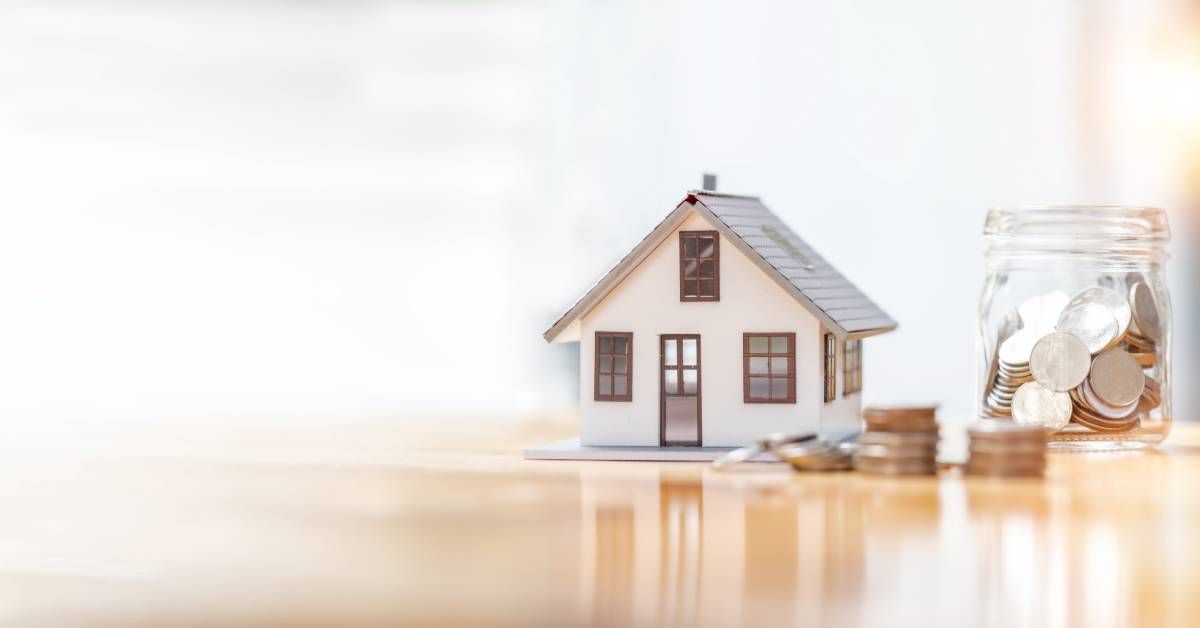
(1075, 324)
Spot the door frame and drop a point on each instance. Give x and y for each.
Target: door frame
(662, 395)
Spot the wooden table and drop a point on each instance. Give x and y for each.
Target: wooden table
(441, 523)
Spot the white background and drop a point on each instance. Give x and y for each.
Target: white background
(371, 210)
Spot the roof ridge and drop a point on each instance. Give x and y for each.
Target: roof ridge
(725, 194)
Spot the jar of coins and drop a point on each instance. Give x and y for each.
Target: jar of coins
(1075, 324)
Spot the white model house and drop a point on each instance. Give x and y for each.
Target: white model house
(720, 327)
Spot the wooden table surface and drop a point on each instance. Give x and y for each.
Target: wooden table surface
(441, 523)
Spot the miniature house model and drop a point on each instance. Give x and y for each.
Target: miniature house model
(720, 326)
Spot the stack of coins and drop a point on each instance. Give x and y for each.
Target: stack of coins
(898, 441)
(1079, 359)
(1012, 371)
(1006, 449)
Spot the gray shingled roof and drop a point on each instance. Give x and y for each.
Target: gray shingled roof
(774, 248)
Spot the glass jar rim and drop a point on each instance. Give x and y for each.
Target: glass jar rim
(1092, 222)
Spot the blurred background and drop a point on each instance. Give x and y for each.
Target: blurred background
(370, 210)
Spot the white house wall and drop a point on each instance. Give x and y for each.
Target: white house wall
(647, 304)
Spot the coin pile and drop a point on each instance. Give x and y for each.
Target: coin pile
(1080, 359)
(1006, 449)
(898, 441)
(805, 452)
(817, 455)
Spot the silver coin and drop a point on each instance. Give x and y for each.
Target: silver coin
(1015, 351)
(1035, 404)
(1103, 409)
(1060, 361)
(1042, 312)
(1145, 311)
(1117, 378)
(1013, 371)
(1013, 383)
(820, 455)
(1092, 323)
(1115, 301)
(1004, 407)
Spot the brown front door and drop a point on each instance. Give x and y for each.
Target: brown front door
(679, 403)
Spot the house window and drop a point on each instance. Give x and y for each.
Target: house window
(699, 266)
(769, 368)
(830, 368)
(614, 366)
(852, 377)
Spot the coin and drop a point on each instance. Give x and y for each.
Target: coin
(1008, 459)
(901, 419)
(1147, 403)
(822, 456)
(925, 409)
(1015, 351)
(1145, 311)
(1106, 410)
(883, 452)
(1060, 361)
(1138, 342)
(893, 467)
(998, 410)
(1134, 278)
(1034, 404)
(1092, 323)
(1117, 378)
(887, 439)
(1010, 447)
(1005, 431)
(1013, 372)
(1042, 312)
(1115, 301)
(1094, 423)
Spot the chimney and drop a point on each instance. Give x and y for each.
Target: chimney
(710, 183)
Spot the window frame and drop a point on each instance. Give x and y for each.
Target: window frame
(716, 259)
(628, 396)
(790, 354)
(829, 364)
(851, 369)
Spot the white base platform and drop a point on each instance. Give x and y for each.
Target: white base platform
(570, 449)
